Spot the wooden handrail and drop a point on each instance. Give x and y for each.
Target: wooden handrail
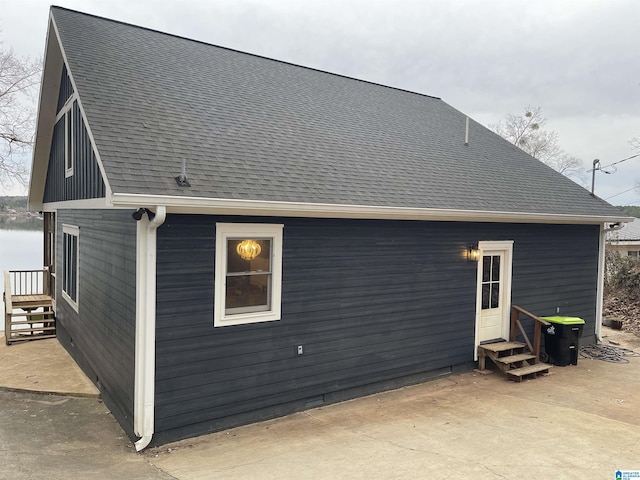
(28, 282)
(537, 333)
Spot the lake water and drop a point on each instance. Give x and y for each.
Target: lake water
(21, 246)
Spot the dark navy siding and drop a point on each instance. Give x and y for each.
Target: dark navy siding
(86, 181)
(372, 303)
(101, 335)
(66, 89)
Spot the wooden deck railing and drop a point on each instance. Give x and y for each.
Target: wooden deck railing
(537, 330)
(27, 282)
(27, 295)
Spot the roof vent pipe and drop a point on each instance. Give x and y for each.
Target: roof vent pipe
(181, 179)
(466, 132)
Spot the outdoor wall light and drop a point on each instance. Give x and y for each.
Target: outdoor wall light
(473, 254)
(248, 249)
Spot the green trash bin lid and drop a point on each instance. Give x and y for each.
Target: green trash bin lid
(565, 320)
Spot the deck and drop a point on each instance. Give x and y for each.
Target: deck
(28, 304)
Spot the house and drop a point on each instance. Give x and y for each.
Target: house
(236, 238)
(626, 240)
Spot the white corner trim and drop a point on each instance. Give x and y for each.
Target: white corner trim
(602, 244)
(145, 345)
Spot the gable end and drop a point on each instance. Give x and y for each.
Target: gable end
(73, 172)
(66, 89)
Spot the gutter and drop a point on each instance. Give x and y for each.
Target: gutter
(601, 272)
(221, 206)
(145, 368)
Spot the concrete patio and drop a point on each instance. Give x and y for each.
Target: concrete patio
(579, 422)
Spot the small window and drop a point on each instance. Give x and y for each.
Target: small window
(490, 282)
(248, 273)
(69, 153)
(632, 253)
(70, 249)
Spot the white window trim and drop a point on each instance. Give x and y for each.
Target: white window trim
(71, 230)
(69, 154)
(225, 231)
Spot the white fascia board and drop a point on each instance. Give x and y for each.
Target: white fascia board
(82, 112)
(47, 103)
(176, 204)
(88, 204)
(624, 242)
(55, 58)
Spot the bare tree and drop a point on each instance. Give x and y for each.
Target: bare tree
(18, 80)
(526, 131)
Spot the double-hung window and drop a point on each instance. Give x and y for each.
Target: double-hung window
(248, 273)
(70, 249)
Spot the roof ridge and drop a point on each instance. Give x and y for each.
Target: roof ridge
(243, 53)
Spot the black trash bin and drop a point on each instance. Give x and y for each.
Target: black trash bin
(562, 339)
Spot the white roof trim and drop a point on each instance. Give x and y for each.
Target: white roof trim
(177, 204)
(89, 203)
(55, 57)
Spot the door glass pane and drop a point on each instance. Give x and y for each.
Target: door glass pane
(495, 295)
(486, 293)
(486, 268)
(495, 268)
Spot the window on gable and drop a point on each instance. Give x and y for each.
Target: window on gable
(69, 150)
(70, 249)
(248, 273)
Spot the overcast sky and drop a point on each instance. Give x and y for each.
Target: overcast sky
(576, 59)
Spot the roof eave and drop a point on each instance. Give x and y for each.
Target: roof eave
(199, 205)
(49, 88)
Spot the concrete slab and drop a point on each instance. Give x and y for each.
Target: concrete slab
(42, 366)
(579, 422)
(44, 437)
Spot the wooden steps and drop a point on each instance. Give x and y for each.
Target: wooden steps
(512, 359)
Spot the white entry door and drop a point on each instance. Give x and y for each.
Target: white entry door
(494, 291)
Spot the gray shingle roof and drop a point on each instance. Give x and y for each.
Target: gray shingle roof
(630, 232)
(255, 128)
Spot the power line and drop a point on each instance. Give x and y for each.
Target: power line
(620, 161)
(600, 167)
(628, 190)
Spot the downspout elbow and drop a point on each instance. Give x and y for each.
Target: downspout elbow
(143, 442)
(159, 218)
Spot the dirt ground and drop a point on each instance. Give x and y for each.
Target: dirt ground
(624, 305)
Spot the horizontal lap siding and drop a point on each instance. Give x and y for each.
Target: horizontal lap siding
(101, 335)
(557, 269)
(369, 301)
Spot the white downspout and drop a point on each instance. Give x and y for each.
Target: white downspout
(601, 273)
(144, 389)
